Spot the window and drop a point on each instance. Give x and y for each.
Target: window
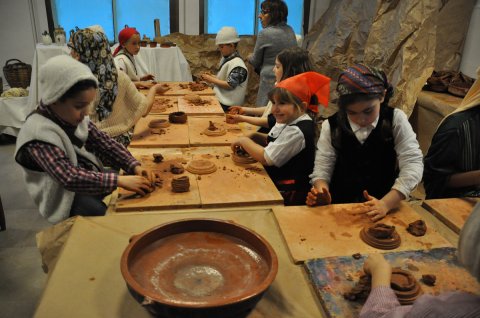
(139, 14)
(242, 15)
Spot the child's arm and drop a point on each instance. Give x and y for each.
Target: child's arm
(378, 209)
(464, 179)
(257, 121)
(156, 89)
(215, 81)
(319, 194)
(254, 150)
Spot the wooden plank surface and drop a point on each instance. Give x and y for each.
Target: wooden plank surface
(453, 212)
(162, 197)
(197, 125)
(165, 105)
(333, 231)
(176, 135)
(332, 277)
(234, 184)
(212, 108)
(176, 90)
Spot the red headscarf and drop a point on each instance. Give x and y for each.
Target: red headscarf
(307, 84)
(123, 37)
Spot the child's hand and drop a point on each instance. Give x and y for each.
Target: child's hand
(375, 209)
(315, 197)
(143, 172)
(234, 119)
(144, 84)
(234, 110)
(137, 184)
(379, 268)
(148, 77)
(161, 88)
(208, 77)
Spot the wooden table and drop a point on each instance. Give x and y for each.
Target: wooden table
(165, 105)
(332, 230)
(176, 135)
(230, 185)
(176, 90)
(453, 212)
(86, 280)
(197, 126)
(212, 107)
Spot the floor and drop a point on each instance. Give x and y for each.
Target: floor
(21, 275)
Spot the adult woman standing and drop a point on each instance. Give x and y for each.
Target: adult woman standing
(275, 36)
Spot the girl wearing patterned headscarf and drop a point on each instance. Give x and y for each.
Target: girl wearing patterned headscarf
(367, 151)
(124, 55)
(119, 105)
(383, 303)
(452, 164)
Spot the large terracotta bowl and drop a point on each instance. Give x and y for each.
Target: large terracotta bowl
(199, 268)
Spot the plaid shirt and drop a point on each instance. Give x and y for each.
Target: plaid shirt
(83, 178)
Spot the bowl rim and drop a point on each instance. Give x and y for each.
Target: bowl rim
(258, 290)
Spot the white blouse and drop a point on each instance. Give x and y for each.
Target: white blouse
(288, 143)
(409, 155)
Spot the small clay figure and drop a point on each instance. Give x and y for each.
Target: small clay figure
(176, 168)
(429, 279)
(157, 157)
(357, 256)
(417, 228)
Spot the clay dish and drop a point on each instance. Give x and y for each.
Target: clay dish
(213, 130)
(158, 123)
(177, 118)
(381, 236)
(153, 44)
(143, 43)
(199, 268)
(405, 286)
(201, 166)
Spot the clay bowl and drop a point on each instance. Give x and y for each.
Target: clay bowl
(199, 268)
(153, 44)
(177, 118)
(143, 43)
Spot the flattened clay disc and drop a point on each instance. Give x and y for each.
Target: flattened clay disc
(384, 244)
(218, 132)
(242, 159)
(201, 166)
(158, 123)
(405, 286)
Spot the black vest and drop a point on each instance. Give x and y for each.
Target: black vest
(371, 166)
(297, 170)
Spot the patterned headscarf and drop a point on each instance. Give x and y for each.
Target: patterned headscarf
(362, 79)
(468, 251)
(94, 51)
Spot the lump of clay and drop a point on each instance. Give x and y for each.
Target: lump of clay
(429, 279)
(176, 168)
(361, 290)
(381, 231)
(417, 228)
(405, 286)
(241, 156)
(177, 118)
(181, 184)
(357, 256)
(157, 157)
(192, 98)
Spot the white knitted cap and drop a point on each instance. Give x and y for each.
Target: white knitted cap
(227, 35)
(59, 74)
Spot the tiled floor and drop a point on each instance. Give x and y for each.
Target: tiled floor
(21, 276)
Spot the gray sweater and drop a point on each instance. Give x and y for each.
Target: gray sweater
(270, 41)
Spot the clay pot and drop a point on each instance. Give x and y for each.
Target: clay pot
(143, 43)
(177, 118)
(153, 44)
(199, 268)
(167, 44)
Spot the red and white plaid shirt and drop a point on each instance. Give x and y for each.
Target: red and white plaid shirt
(81, 178)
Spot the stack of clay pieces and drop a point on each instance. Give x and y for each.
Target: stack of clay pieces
(181, 184)
(405, 286)
(381, 236)
(213, 130)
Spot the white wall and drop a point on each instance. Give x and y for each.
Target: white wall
(21, 23)
(471, 51)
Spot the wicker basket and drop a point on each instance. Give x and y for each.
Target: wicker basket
(17, 74)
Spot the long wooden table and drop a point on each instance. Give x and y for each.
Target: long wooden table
(453, 212)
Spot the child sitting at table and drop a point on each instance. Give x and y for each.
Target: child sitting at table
(230, 83)
(61, 150)
(289, 154)
(383, 303)
(124, 54)
(367, 151)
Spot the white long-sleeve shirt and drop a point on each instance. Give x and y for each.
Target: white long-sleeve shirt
(409, 155)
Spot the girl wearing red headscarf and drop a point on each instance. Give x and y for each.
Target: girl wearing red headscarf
(367, 151)
(124, 54)
(290, 147)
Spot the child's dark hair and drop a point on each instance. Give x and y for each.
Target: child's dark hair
(77, 88)
(284, 96)
(295, 61)
(277, 9)
(345, 100)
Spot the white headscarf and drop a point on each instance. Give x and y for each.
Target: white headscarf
(469, 243)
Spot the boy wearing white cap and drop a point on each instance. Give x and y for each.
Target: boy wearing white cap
(230, 83)
(61, 151)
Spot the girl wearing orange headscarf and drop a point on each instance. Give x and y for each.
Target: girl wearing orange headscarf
(124, 54)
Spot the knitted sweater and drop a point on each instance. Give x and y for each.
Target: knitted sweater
(129, 106)
(52, 199)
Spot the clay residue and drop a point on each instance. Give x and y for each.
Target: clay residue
(429, 279)
(346, 234)
(417, 228)
(332, 235)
